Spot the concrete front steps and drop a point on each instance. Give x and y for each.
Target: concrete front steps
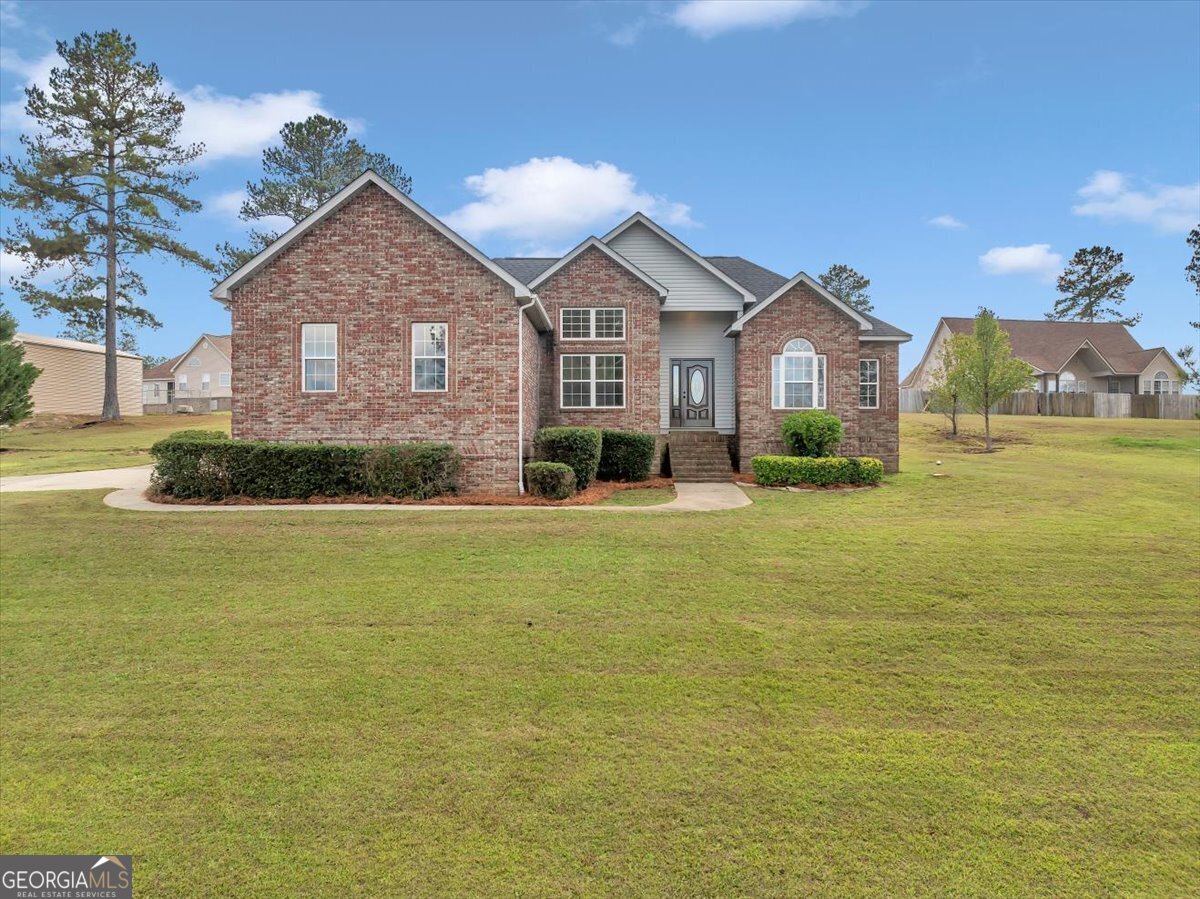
(699, 456)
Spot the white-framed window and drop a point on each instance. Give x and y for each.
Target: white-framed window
(868, 383)
(576, 323)
(181, 382)
(592, 381)
(223, 379)
(430, 357)
(320, 352)
(798, 377)
(205, 382)
(1161, 383)
(1066, 382)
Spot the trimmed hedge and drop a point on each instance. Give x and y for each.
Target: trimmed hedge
(553, 480)
(577, 447)
(625, 456)
(776, 471)
(197, 434)
(200, 467)
(812, 433)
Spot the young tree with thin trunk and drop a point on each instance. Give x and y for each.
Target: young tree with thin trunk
(987, 371)
(1092, 288)
(312, 163)
(101, 185)
(16, 375)
(946, 385)
(848, 286)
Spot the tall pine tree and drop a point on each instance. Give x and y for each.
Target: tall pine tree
(313, 162)
(1092, 288)
(16, 375)
(848, 286)
(102, 184)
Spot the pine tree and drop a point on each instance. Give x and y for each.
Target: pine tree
(314, 161)
(848, 286)
(1092, 288)
(16, 375)
(101, 185)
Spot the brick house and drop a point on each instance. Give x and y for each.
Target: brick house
(372, 321)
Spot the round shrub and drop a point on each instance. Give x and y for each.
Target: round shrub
(626, 456)
(812, 433)
(577, 447)
(553, 480)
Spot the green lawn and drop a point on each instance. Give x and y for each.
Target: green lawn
(60, 444)
(981, 684)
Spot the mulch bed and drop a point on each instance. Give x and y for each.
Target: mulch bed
(597, 492)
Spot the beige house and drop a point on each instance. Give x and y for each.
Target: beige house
(1068, 357)
(72, 378)
(200, 378)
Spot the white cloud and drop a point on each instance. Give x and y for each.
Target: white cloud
(546, 200)
(628, 35)
(1034, 259)
(947, 221)
(710, 18)
(1168, 208)
(228, 126)
(227, 206)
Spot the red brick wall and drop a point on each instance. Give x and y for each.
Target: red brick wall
(592, 279)
(802, 313)
(374, 268)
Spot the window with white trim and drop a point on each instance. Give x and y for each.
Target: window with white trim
(1066, 382)
(205, 382)
(593, 381)
(798, 377)
(1162, 383)
(430, 357)
(182, 382)
(868, 383)
(223, 379)
(576, 323)
(319, 357)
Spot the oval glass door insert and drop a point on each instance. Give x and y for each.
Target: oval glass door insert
(697, 387)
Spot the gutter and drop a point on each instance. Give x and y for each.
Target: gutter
(521, 307)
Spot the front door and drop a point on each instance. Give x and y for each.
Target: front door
(691, 393)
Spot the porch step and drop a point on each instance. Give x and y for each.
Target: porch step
(699, 456)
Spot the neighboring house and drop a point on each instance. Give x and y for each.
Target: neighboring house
(201, 378)
(72, 378)
(1069, 357)
(372, 321)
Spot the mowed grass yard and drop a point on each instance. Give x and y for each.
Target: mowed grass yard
(45, 445)
(983, 684)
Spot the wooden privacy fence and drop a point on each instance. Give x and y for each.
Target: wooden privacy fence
(1082, 405)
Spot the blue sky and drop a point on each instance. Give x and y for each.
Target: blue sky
(957, 154)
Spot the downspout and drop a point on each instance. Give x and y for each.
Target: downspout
(521, 393)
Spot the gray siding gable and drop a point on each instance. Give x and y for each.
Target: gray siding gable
(690, 286)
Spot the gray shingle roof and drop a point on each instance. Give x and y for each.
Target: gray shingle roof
(762, 282)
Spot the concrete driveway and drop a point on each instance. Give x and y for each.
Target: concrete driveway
(120, 478)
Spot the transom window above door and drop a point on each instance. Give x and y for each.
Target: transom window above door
(430, 356)
(798, 377)
(592, 324)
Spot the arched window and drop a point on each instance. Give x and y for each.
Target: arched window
(798, 377)
(1066, 382)
(1162, 382)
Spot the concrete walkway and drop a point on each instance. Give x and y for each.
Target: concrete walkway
(131, 484)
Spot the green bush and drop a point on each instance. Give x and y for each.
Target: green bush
(777, 471)
(812, 433)
(577, 447)
(625, 456)
(553, 480)
(197, 434)
(202, 467)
